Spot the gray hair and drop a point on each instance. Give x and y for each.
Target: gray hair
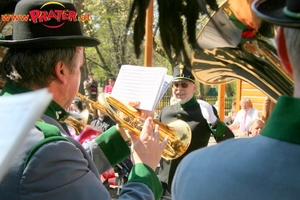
(34, 67)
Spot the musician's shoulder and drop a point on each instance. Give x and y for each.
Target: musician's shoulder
(51, 134)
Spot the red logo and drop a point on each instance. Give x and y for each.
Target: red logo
(53, 18)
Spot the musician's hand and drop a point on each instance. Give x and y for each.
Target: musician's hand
(143, 113)
(147, 148)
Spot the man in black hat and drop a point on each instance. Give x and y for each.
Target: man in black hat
(264, 166)
(199, 115)
(47, 51)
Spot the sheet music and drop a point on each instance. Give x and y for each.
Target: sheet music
(143, 84)
(18, 114)
(167, 82)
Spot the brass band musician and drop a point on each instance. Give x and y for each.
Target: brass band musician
(52, 165)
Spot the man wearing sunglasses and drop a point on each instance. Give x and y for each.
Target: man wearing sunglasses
(201, 117)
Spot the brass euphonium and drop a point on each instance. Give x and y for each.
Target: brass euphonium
(178, 131)
(225, 55)
(78, 121)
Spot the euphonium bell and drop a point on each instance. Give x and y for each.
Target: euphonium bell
(178, 131)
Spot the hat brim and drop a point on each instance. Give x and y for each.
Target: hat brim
(52, 42)
(272, 12)
(176, 79)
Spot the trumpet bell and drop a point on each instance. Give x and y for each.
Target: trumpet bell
(178, 132)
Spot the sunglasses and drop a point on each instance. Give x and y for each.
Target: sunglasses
(183, 85)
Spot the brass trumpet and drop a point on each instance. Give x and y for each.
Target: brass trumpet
(178, 131)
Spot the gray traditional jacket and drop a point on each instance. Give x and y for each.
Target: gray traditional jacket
(50, 166)
(262, 167)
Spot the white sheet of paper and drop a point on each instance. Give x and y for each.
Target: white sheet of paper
(17, 116)
(139, 83)
(167, 82)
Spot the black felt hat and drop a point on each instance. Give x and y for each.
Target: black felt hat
(8, 6)
(46, 24)
(279, 12)
(181, 73)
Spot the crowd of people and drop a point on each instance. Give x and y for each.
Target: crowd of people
(54, 165)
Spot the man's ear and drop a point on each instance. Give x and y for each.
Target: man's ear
(195, 88)
(60, 72)
(282, 51)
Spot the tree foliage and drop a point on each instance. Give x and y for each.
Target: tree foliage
(108, 24)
